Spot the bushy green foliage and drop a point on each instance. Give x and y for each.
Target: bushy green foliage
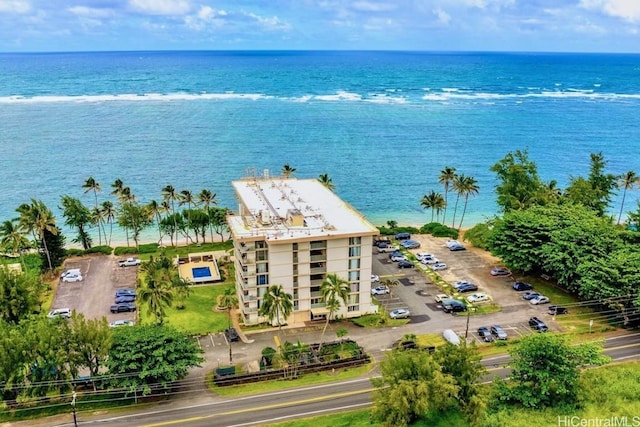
(439, 230)
(386, 231)
(148, 248)
(74, 252)
(479, 234)
(104, 249)
(124, 250)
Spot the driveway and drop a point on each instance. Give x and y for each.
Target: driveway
(94, 295)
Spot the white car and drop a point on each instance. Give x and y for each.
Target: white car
(441, 297)
(121, 323)
(478, 297)
(430, 260)
(397, 258)
(421, 255)
(65, 313)
(380, 290)
(400, 313)
(450, 243)
(540, 299)
(72, 278)
(70, 272)
(374, 278)
(439, 266)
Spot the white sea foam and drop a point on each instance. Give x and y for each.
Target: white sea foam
(130, 97)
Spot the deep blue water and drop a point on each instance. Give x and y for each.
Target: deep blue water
(381, 124)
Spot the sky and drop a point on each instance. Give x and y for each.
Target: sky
(425, 25)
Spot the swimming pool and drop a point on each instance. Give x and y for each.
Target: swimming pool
(200, 272)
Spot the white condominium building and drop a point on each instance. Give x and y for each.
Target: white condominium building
(292, 232)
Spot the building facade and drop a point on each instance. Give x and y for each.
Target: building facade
(293, 232)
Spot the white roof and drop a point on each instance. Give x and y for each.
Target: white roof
(271, 203)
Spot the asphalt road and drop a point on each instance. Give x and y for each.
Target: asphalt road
(302, 402)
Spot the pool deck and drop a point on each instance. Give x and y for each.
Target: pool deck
(187, 272)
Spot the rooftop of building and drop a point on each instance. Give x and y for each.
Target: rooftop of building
(291, 208)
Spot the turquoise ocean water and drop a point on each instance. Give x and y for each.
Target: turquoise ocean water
(381, 124)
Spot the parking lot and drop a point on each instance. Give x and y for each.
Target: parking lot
(416, 292)
(95, 294)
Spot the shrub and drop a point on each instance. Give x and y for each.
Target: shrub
(74, 252)
(104, 249)
(439, 230)
(148, 248)
(478, 235)
(123, 250)
(386, 231)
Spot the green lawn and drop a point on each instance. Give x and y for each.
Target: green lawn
(198, 316)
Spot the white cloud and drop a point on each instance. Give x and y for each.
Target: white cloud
(483, 4)
(161, 7)
(270, 23)
(443, 17)
(367, 6)
(14, 6)
(628, 10)
(205, 17)
(91, 12)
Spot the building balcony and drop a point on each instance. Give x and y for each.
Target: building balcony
(249, 298)
(318, 270)
(318, 258)
(318, 305)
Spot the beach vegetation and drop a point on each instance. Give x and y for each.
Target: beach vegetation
(519, 185)
(627, 181)
(439, 230)
(478, 235)
(207, 198)
(466, 186)
(13, 239)
(326, 181)
(19, 294)
(287, 171)
(387, 231)
(38, 220)
(446, 178)
(595, 191)
(433, 201)
(277, 305)
(78, 216)
(218, 220)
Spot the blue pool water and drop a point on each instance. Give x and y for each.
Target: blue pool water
(199, 272)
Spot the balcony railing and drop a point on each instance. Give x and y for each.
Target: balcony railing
(318, 270)
(316, 258)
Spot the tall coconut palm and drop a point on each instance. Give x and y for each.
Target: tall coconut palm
(390, 284)
(97, 218)
(155, 288)
(439, 203)
(446, 178)
(155, 210)
(468, 188)
(170, 195)
(627, 181)
(229, 299)
(428, 201)
(186, 198)
(90, 184)
(109, 214)
(335, 291)
(117, 186)
(13, 239)
(326, 181)
(287, 171)
(38, 219)
(276, 303)
(207, 198)
(458, 181)
(77, 215)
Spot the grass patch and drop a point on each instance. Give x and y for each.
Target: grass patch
(198, 316)
(343, 419)
(152, 249)
(430, 340)
(377, 321)
(276, 385)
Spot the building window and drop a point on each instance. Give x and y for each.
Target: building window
(295, 247)
(354, 251)
(353, 241)
(353, 299)
(261, 255)
(263, 279)
(355, 287)
(354, 264)
(353, 308)
(354, 276)
(262, 267)
(261, 245)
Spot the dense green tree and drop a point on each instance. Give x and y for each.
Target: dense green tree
(276, 305)
(37, 218)
(446, 178)
(19, 295)
(519, 185)
(155, 286)
(334, 291)
(287, 171)
(433, 201)
(13, 364)
(13, 239)
(56, 250)
(171, 225)
(627, 181)
(197, 221)
(144, 358)
(326, 181)
(410, 385)
(596, 190)
(218, 220)
(545, 370)
(91, 341)
(77, 216)
(134, 217)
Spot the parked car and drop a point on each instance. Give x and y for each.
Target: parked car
(123, 307)
(459, 283)
(396, 258)
(522, 286)
(479, 297)
(405, 264)
(500, 271)
(485, 334)
(129, 262)
(458, 247)
(557, 309)
(530, 294)
(374, 278)
(411, 244)
(439, 266)
(380, 290)
(421, 255)
(72, 278)
(400, 313)
(429, 260)
(450, 243)
(498, 332)
(540, 299)
(450, 336)
(125, 292)
(388, 249)
(231, 334)
(72, 272)
(381, 241)
(64, 313)
(538, 325)
(469, 287)
(118, 323)
(453, 306)
(441, 297)
(125, 298)
(402, 236)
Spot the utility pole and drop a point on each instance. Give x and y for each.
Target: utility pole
(73, 408)
(466, 332)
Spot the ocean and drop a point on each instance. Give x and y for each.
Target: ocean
(381, 124)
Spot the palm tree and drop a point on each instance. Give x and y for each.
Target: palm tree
(390, 284)
(169, 194)
(627, 181)
(275, 303)
(229, 299)
(334, 290)
(155, 287)
(186, 197)
(457, 187)
(91, 184)
(207, 198)
(109, 214)
(428, 202)
(468, 188)
(288, 171)
(117, 186)
(446, 178)
(326, 181)
(13, 239)
(38, 219)
(155, 209)
(439, 203)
